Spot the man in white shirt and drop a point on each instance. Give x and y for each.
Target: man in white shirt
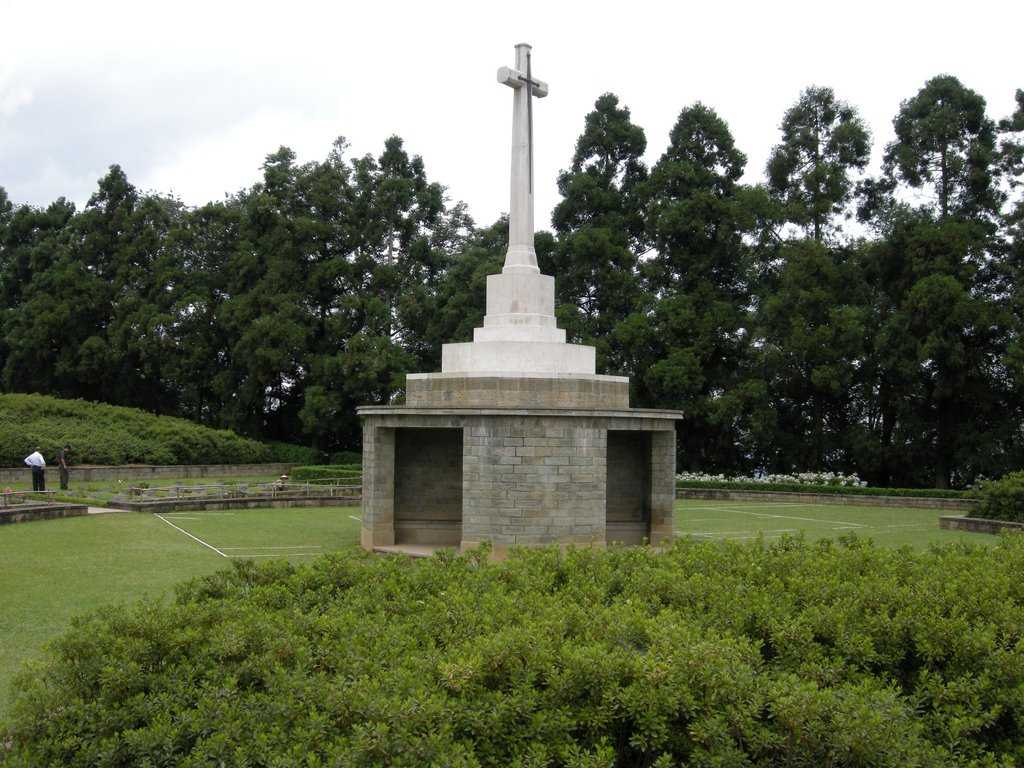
(38, 464)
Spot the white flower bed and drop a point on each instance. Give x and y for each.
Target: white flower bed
(798, 478)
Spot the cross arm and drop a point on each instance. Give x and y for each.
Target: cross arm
(514, 79)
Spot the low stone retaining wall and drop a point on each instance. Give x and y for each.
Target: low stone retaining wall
(856, 500)
(242, 502)
(24, 513)
(86, 473)
(979, 525)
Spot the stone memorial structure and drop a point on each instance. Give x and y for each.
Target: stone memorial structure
(517, 441)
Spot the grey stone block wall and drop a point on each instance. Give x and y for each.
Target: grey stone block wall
(260, 501)
(529, 476)
(26, 513)
(979, 525)
(87, 473)
(534, 480)
(846, 499)
(460, 391)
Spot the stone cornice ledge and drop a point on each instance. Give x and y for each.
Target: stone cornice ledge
(517, 375)
(630, 413)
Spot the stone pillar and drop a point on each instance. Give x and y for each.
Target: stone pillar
(663, 485)
(378, 486)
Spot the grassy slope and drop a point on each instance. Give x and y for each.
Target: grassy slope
(107, 434)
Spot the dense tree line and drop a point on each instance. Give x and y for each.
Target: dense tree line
(821, 319)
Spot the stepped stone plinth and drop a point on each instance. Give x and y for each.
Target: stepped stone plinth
(517, 441)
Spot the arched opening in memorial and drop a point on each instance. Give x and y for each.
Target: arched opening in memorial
(428, 487)
(628, 500)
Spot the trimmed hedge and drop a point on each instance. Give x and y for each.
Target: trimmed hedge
(288, 453)
(327, 472)
(923, 493)
(1002, 499)
(346, 457)
(107, 434)
(792, 654)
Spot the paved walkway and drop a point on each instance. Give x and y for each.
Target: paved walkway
(412, 550)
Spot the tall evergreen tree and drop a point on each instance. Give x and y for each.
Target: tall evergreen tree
(1013, 361)
(692, 343)
(394, 236)
(329, 190)
(600, 230)
(810, 330)
(1011, 149)
(29, 241)
(1012, 273)
(945, 139)
(6, 210)
(265, 314)
(58, 338)
(823, 141)
(809, 326)
(937, 289)
(200, 373)
(138, 334)
(461, 298)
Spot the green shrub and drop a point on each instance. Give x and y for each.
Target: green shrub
(792, 654)
(288, 453)
(1002, 499)
(107, 434)
(327, 472)
(924, 493)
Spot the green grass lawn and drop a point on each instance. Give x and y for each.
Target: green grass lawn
(260, 533)
(55, 569)
(886, 526)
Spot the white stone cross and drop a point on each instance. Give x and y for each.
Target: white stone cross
(520, 336)
(521, 256)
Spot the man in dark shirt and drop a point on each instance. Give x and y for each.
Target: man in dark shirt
(62, 463)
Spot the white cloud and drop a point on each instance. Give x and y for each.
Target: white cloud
(13, 98)
(224, 161)
(191, 96)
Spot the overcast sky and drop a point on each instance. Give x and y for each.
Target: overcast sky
(189, 97)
